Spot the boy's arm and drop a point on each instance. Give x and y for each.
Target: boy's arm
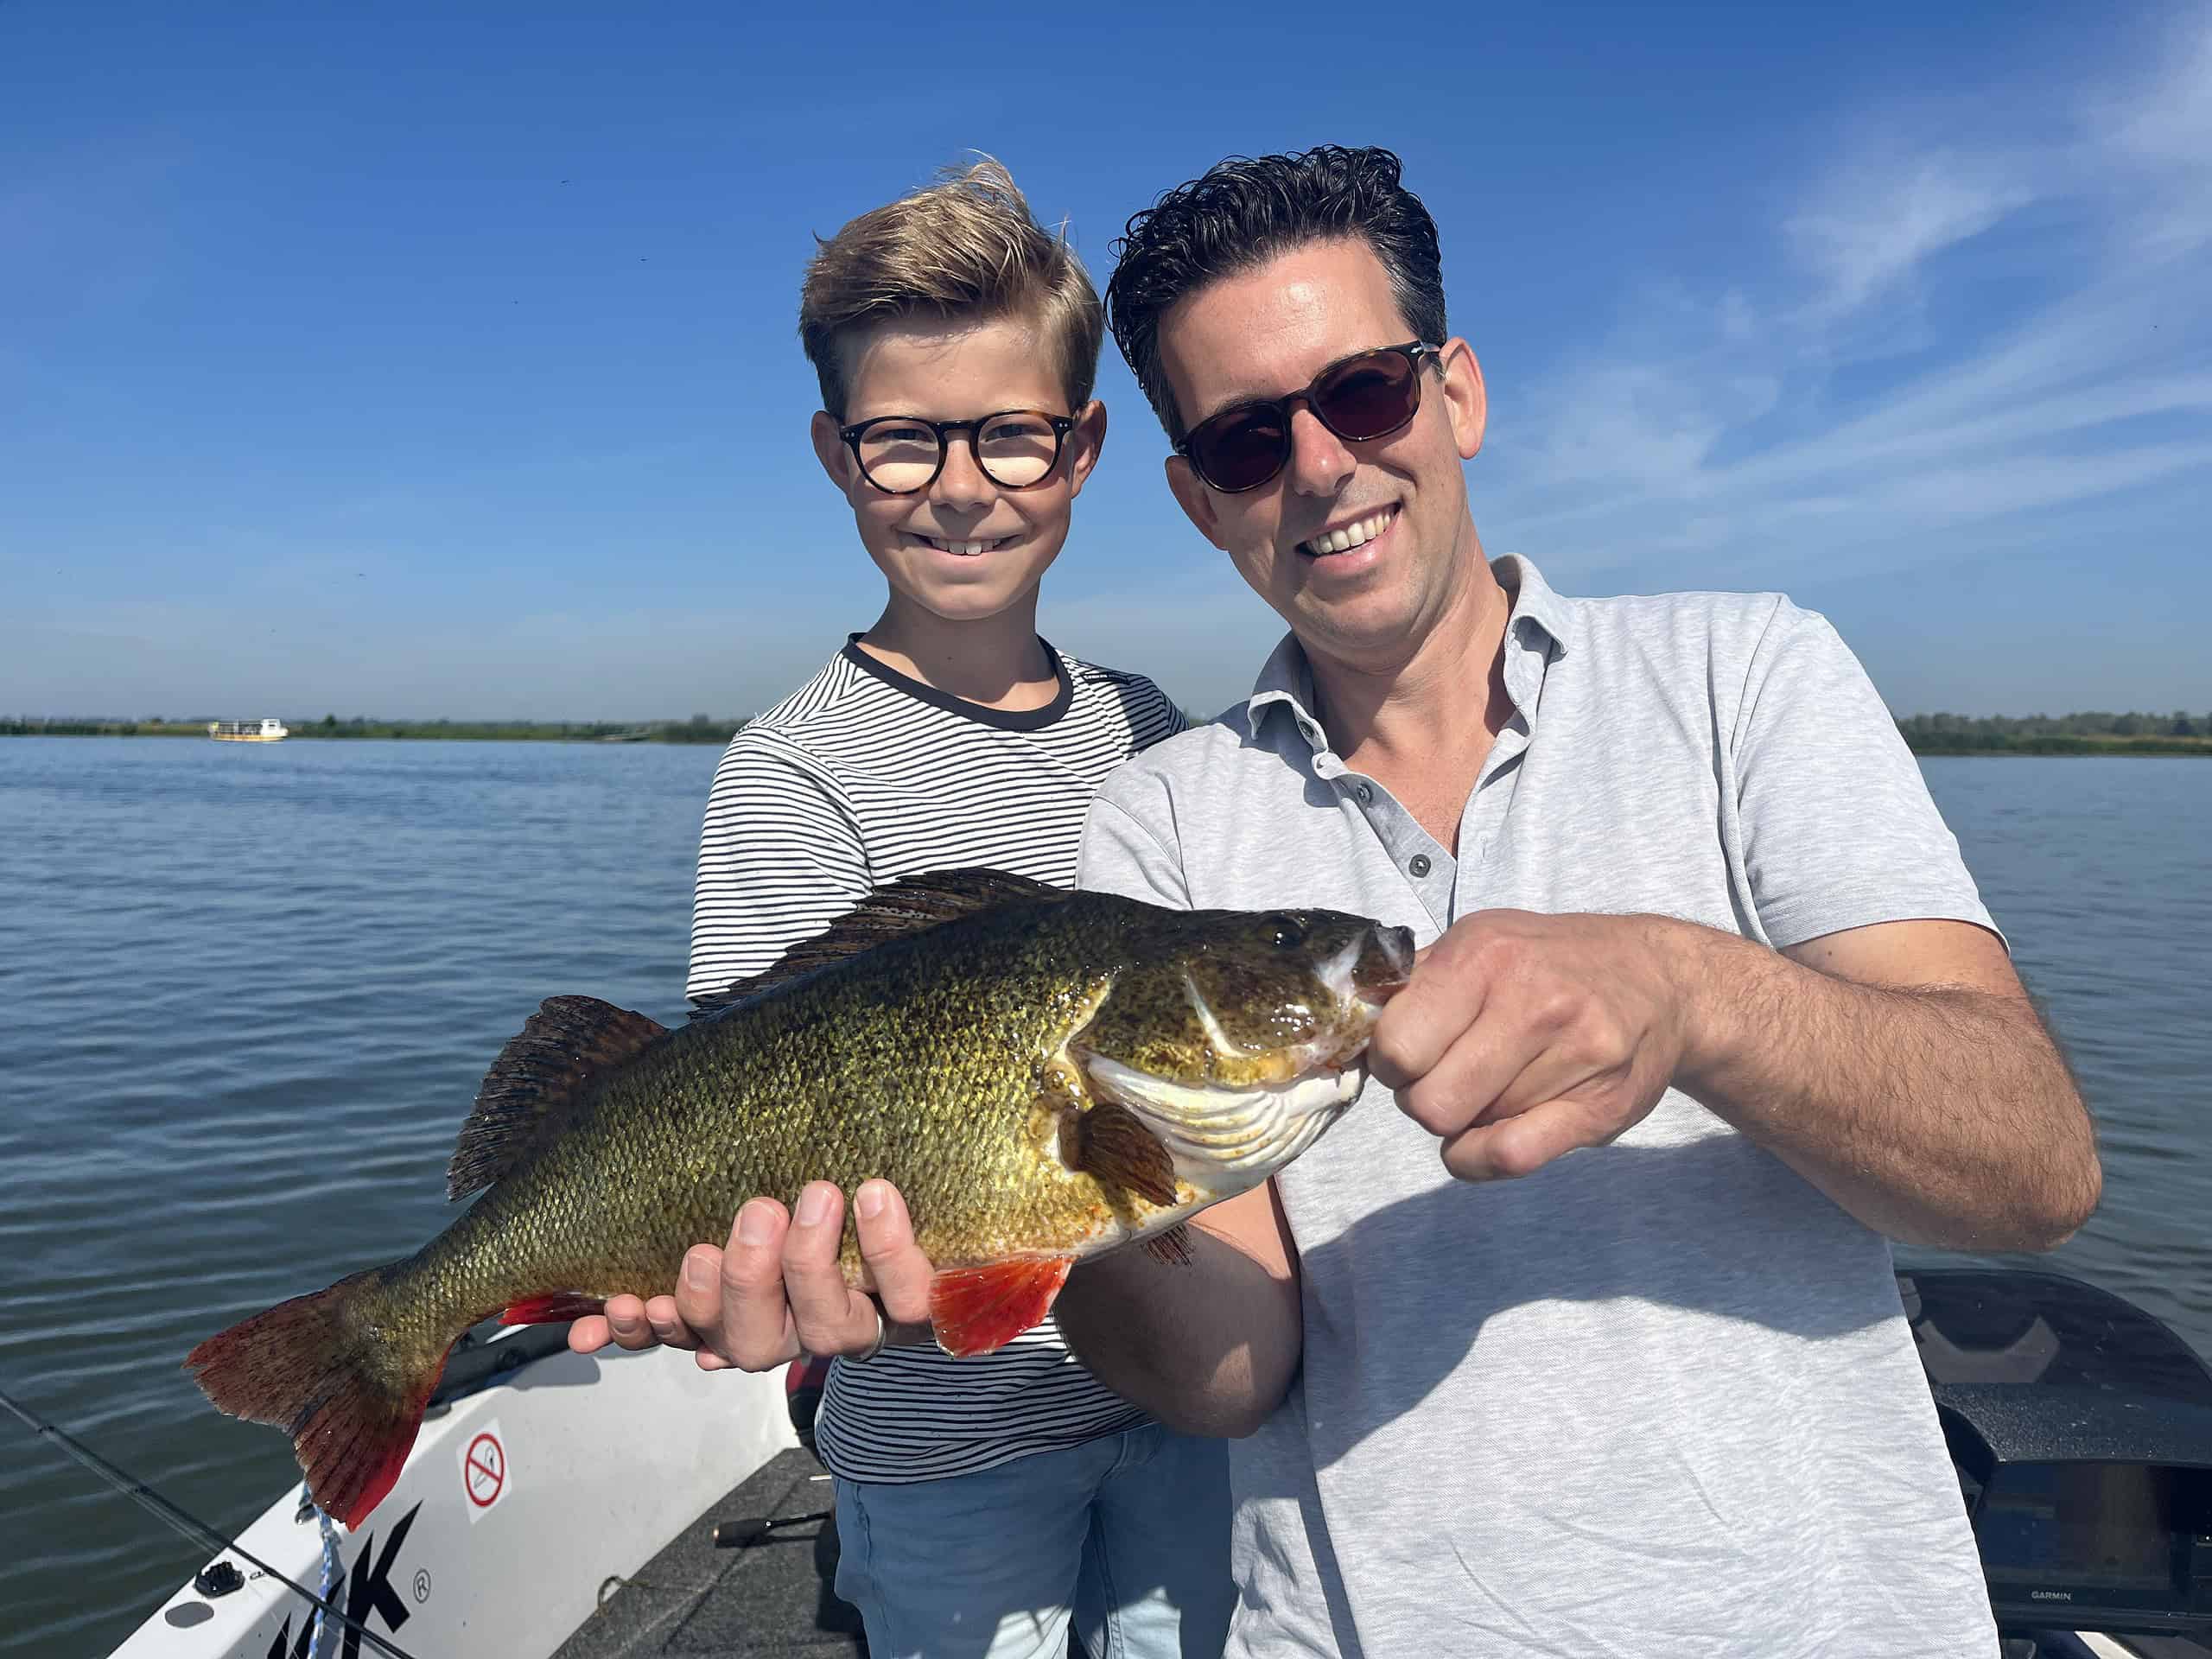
(1208, 1348)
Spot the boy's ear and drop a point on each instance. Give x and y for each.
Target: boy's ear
(829, 449)
(1193, 496)
(1084, 443)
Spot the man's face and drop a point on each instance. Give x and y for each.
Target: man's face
(1268, 332)
(964, 548)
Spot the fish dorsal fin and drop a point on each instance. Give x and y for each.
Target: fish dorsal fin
(537, 1076)
(910, 905)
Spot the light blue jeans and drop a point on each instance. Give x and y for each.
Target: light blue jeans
(1127, 1534)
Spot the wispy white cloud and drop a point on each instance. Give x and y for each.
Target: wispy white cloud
(1969, 322)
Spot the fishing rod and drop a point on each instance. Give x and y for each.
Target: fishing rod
(184, 1521)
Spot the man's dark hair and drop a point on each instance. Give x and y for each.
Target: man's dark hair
(1244, 212)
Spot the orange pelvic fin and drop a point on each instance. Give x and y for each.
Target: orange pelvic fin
(980, 1310)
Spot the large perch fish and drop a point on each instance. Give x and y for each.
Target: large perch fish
(1044, 1076)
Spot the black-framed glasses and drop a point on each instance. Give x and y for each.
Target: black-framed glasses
(1366, 395)
(1015, 448)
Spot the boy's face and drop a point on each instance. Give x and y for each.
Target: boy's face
(964, 548)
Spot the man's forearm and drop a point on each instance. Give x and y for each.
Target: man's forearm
(1937, 1114)
(1208, 1347)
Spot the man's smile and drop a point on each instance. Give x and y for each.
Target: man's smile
(1357, 532)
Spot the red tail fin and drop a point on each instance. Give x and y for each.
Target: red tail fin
(317, 1368)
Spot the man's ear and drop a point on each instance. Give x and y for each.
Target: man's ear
(829, 449)
(1084, 443)
(1194, 497)
(1466, 403)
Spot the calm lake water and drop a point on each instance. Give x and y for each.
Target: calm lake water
(251, 991)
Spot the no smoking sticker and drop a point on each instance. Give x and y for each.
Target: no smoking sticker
(485, 1475)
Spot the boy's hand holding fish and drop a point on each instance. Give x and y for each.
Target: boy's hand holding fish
(775, 1289)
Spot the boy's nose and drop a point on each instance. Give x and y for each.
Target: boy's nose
(961, 482)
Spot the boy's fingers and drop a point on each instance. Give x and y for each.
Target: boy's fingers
(673, 1329)
(698, 1294)
(742, 1307)
(589, 1334)
(828, 1316)
(901, 1273)
(625, 1321)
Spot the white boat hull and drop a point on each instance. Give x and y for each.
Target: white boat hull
(517, 1505)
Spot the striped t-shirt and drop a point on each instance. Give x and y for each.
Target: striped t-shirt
(859, 777)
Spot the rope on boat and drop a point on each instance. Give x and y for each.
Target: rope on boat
(333, 1569)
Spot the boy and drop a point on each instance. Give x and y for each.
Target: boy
(981, 1503)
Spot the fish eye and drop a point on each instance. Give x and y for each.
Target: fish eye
(1285, 931)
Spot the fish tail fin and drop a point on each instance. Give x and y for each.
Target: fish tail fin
(324, 1371)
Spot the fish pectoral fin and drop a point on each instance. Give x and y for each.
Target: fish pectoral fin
(980, 1310)
(1111, 1144)
(554, 1308)
(539, 1075)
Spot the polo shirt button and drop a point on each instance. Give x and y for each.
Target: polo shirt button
(1419, 864)
(1366, 795)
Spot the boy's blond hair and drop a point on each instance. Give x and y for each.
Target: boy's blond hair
(967, 246)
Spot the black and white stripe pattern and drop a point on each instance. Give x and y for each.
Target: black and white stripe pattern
(858, 778)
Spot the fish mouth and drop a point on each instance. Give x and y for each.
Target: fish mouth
(1225, 1139)
(1371, 971)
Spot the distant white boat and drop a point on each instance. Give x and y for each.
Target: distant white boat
(248, 731)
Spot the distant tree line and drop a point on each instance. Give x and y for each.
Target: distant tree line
(2095, 732)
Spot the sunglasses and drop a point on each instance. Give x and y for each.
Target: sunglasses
(1367, 396)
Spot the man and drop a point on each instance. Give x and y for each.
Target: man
(1690, 915)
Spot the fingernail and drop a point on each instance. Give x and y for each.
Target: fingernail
(813, 1204)
(697, 1274)
(756, 1223)
(869, 1200)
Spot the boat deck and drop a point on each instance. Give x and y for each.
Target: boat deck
(703, 1602)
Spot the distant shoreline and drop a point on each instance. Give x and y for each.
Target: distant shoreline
(426, 731)
(1913, 728)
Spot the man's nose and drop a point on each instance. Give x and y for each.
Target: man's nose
(1319, 461)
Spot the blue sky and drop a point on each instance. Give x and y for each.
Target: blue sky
(442, 361)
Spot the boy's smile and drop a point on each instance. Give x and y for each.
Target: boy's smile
(963, 546)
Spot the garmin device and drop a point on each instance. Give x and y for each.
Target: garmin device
(2082, 1430)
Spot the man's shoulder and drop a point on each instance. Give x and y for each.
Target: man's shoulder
(1703, 619)
(1205, 753)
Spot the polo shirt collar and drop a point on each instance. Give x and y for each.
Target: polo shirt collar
(1541, 621)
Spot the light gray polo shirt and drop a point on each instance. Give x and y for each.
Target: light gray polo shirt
(1658, 1398)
